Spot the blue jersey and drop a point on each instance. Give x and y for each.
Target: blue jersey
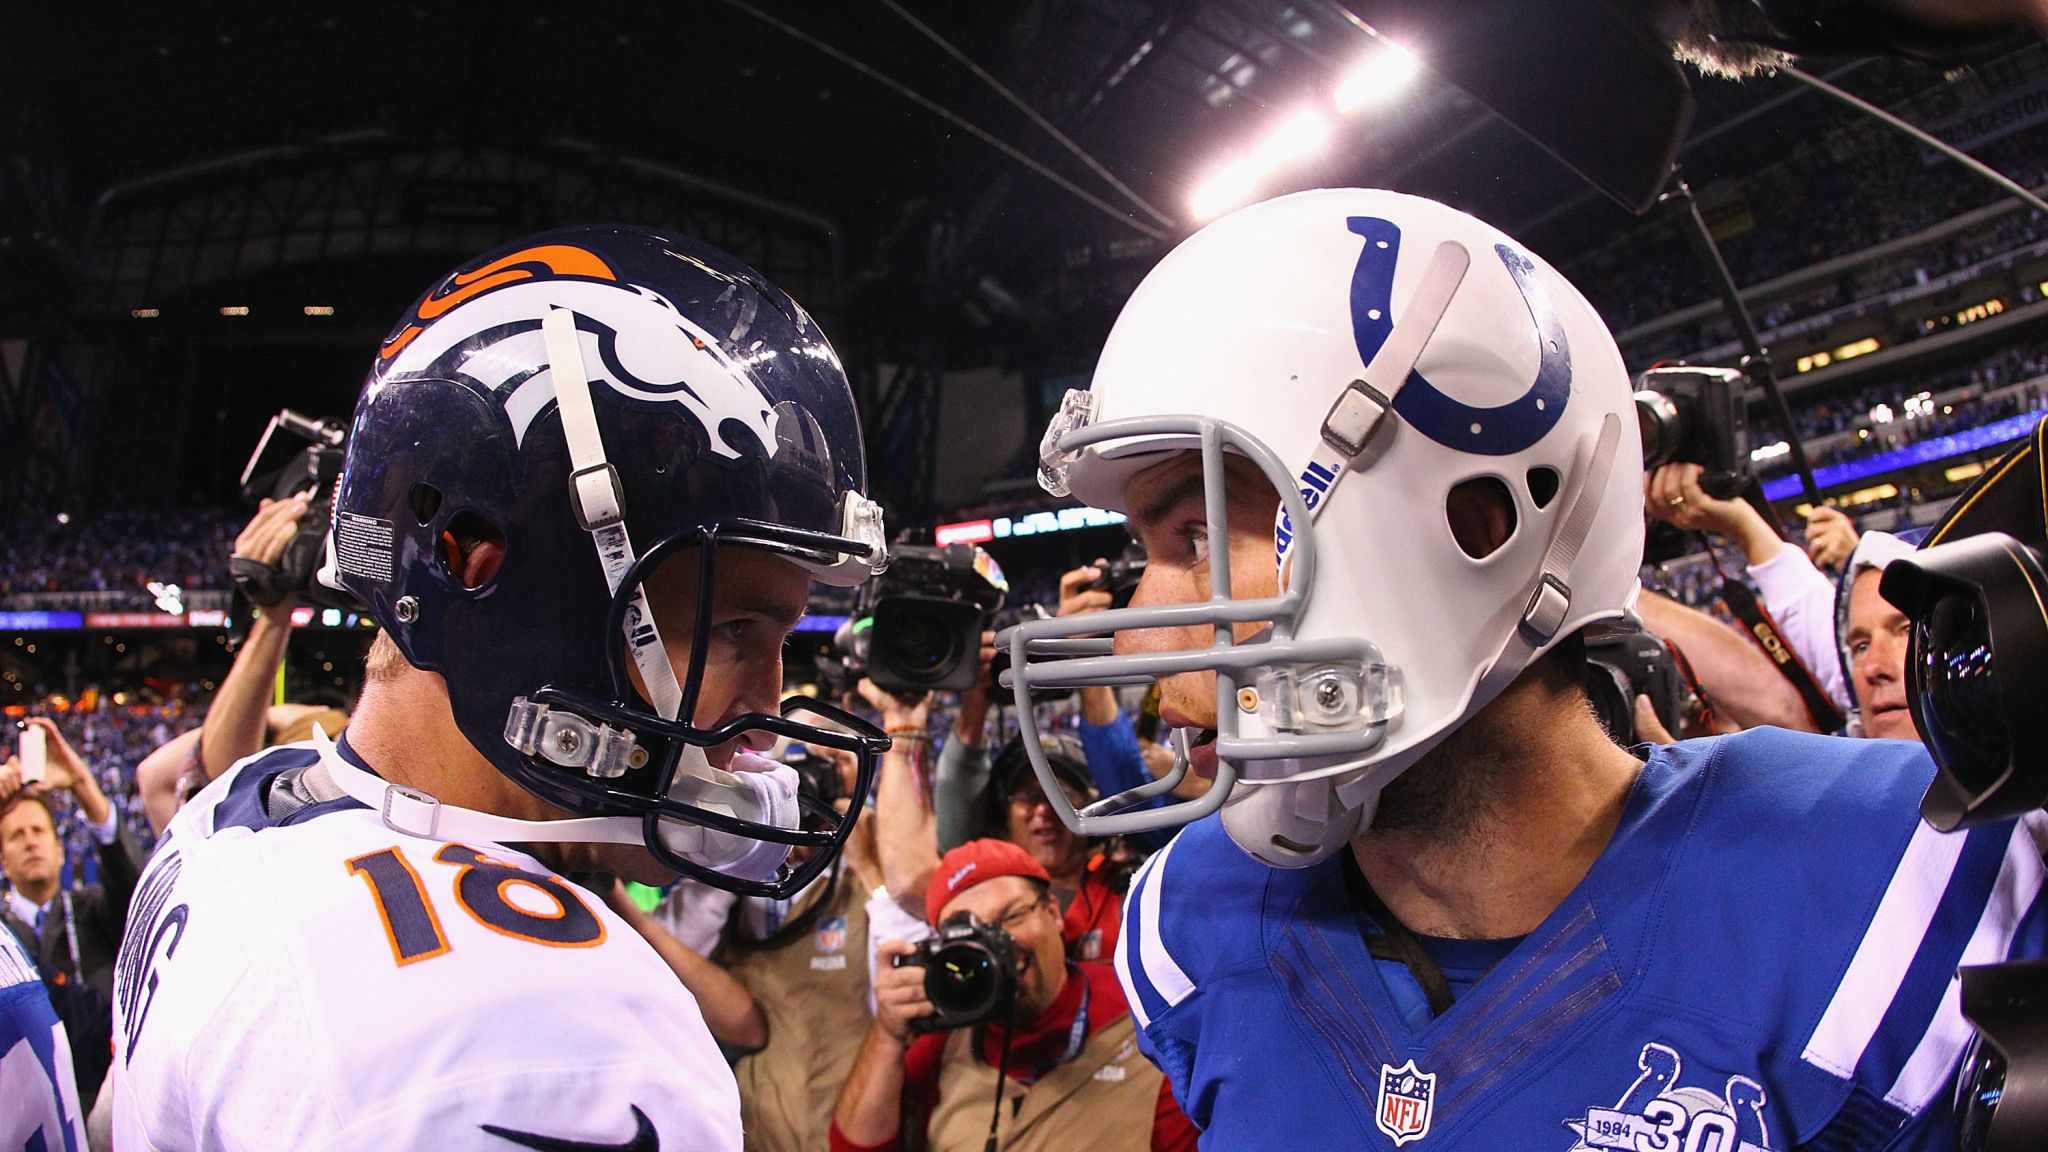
(1763, 957)
(38, 1098)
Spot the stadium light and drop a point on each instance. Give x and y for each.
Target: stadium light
(1300, 135)
(1226, 188)
(1376, 79)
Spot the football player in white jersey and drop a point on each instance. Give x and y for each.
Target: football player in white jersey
(588, 483)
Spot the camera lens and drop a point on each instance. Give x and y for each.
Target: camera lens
(1956, 681)
(921, 645)
(1657, 418)
(1980, 1085)
(961, 979)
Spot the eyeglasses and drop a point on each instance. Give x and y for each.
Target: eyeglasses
(1015, 918)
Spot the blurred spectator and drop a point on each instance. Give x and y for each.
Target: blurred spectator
(73, 933)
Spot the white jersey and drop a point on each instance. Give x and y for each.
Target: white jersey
(319, 981)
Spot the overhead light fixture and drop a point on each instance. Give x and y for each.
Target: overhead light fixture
(144, 313)
(1300, 135)
(1376, 79)
(1225, 189)
(318, 309)
(235, 310)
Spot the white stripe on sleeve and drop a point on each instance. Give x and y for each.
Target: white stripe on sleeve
(1887, 950)
(1931, 1068)
(1158, 966)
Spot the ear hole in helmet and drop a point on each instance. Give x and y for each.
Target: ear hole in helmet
(1482, 515)
(1543, 485)
(425, 500)
(471, 549)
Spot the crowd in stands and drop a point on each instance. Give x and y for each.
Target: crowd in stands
(117, 551)
(1879, 412)
(1810, 208)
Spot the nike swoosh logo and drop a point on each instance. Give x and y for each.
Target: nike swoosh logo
(644, 1139)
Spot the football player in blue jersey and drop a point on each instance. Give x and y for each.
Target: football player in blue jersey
(1385, 463)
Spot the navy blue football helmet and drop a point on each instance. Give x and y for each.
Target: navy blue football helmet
(597, 399)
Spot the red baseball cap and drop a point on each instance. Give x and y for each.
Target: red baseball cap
(970, 864)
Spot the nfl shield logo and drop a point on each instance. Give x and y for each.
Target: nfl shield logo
(1407, 1097)
(831, 933)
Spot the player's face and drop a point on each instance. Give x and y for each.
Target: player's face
(1166, 514)
(1033, 921)
(756, 601)
(758, 598)
(1035, 828)
(29, 852)
(1877, 660)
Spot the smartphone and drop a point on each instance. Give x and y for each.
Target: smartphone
(34, 755)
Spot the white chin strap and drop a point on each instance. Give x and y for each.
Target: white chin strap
(599, 500)
(764, 792)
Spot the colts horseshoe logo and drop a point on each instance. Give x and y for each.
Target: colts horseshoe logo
(1498, 431)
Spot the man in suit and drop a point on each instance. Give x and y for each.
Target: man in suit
(72, 934)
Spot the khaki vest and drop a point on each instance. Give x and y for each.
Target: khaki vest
(813, 990)
(1102, 1100)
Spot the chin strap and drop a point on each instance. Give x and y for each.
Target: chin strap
(765, 794)
(1550, 599)
(411, 812)
(598, 499)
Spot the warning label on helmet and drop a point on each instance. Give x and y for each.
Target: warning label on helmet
(363, 547)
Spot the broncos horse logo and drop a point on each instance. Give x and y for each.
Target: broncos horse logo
(634, 341)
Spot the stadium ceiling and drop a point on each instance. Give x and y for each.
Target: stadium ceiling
(1001, 172)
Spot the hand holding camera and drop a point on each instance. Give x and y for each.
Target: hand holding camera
(45, 759)
(260, 548)
(967, 973)
(899, 990)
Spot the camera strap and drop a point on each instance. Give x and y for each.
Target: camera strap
(1077, 1038)
(1765, 634)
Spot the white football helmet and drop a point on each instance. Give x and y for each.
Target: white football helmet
(1369, 351)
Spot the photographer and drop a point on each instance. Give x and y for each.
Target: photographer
(1061, 1051)
(1849, 639)
(1797, 594)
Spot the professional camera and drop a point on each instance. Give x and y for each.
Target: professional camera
(1976, 663)
(1120, 576)
(1697, 416)
(918, 626)
(970, 973)
(295, 454)
(1623, 663)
